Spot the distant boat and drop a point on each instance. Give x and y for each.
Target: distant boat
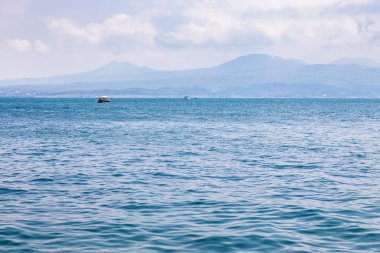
(188, 97)
(103, 99)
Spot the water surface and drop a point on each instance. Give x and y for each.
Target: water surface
(205, 175)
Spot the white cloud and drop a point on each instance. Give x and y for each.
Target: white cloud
(115, 27)
(89, 33)
(20, 45)
(322, 23)
(25, 46)
(227, 22)
(281, 5)
(41, 46)
(206, 24)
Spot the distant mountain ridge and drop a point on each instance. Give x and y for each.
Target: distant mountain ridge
(356, 61)
(259, 60)
(255, 75)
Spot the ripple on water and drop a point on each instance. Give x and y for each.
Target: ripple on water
(219, 175)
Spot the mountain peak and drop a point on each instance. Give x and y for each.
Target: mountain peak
(259, 60)
(117, 67)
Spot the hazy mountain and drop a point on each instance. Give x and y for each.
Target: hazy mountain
(356, 61)
(112, 72)
(255, 75)
(254, 61)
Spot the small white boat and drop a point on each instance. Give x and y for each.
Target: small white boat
(103, 99)
(187, 97)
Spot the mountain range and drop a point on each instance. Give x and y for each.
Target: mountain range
(255, 75)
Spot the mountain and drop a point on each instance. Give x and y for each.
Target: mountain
(255, 75)
(112, 72)
(262, 61)
(356, 61)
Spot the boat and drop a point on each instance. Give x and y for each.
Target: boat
(187, 97)
(103, 99)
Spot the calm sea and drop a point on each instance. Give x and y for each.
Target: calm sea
(204, 175)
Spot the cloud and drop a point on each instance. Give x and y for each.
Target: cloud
(41, 47)
(117, 27)
(282, 5)
(210, 23)
(90, 33)
(325, 23)
(25, 46)
(20, 45)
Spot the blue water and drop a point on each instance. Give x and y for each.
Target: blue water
(205, 175)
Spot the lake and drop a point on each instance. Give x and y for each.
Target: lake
(199, 175)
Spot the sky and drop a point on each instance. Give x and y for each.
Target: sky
(49, 37)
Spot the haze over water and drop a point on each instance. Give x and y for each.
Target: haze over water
(204, 175)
